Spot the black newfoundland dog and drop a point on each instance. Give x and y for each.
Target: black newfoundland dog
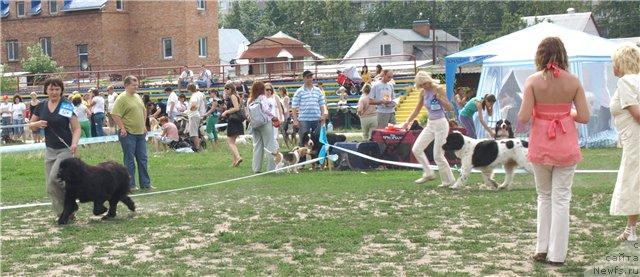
(312, 141)
(107, 181)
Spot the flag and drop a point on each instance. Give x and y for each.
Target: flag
(325, 145)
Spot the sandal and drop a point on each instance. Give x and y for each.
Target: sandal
(629, 234)
(539, 257)
(237, 163)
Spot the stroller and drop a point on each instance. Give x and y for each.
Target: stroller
(184, 139)
(350, 79)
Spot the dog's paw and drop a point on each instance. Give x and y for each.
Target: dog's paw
(504, 186)
(457, 185)
(100, 211)
(108, 216)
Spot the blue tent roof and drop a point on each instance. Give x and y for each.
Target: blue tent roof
(80, 5)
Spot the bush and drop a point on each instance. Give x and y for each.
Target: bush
(8, 84)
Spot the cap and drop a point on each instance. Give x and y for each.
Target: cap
(307, 73)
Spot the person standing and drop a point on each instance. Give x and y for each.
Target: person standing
(213, 113)
(477, 105)
(33, 105)
(434, 98)
(276, 108)
(262, 135)
(172, 104)
(308, 106)
(367, 113)
(111, 99)
(625, 108)
(82, 113)
(382, 95)
(6, 108)
(62, 133)
(18, 112)
(549, 95)
(97, 111)
(198, 98)
(286, 106)
(233, 113)
(129, 114)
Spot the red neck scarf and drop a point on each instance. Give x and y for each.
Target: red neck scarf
(555, 69)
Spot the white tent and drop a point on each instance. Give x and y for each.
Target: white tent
(507, 62)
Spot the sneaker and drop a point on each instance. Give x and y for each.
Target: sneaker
(150, 187)
(425, 179)
(133, 189)
(629, 234)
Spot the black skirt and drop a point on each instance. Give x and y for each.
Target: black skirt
(234, 128)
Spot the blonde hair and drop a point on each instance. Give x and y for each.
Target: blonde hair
(627, 59)
(422, 77)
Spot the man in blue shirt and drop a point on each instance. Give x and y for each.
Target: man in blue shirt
(382, 95)
(308, 106)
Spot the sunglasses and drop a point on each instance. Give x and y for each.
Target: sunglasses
(269, 89)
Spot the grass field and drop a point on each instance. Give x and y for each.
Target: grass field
(312, 223)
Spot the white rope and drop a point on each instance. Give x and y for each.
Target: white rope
(20, 206)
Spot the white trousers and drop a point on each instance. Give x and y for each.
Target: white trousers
(553, 184)
(437, 131)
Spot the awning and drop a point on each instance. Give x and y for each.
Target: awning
(81, 5)
(284, 54)
(36, 7)
(4, 8)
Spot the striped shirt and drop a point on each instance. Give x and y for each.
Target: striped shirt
(308, 101)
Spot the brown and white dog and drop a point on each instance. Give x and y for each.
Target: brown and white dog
(290, 158)
(503, 129)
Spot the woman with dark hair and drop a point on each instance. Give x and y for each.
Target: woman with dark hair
(18, 117)
(262, 135)
(234, 117)
(364, 74)
(549, 95)
(62, 133)
(473, 106)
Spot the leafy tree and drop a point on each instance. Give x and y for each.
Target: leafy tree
(38, 62)
(7, 84)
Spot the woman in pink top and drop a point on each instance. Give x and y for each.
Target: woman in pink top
(553, 144)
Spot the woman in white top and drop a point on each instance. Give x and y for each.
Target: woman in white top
(6, 108)
(18, 116)
(97, 109)
(181, 106)
(276, 108)
(625, 108)
(83, 114)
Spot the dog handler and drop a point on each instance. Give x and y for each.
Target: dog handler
(62, 133)
(433, 98)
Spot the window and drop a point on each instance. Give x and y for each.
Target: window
(202, 47)
(317, 31)
(53, 7)
(263, 66)
(83, 56)
(119, 5)
(385, 49)
(287, 65)
(13, 50)
(201, 4)
(20, 8)
(167, 48)
(46, 45)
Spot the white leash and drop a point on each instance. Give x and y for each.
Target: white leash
(433, 167)
(20, 206)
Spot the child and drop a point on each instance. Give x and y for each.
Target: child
(194, 125)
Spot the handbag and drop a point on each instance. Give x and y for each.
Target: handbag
(238, 116)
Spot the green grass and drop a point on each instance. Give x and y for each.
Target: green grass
(312, 223)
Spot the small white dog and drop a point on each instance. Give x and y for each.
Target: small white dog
(244, 139)
(485, 155)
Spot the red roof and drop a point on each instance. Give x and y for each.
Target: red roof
(272, 52)
(285, 41)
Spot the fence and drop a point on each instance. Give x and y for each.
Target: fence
(165, 76)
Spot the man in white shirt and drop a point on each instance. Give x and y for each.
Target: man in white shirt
(111, 99)
(172, 101)
(186, 77)
(382, 95)
(199, 98)
(204, 79)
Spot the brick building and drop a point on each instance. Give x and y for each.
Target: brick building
(111, 34)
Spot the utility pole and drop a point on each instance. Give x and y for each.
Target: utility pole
(433, 32)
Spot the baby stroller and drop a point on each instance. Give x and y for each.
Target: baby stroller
(184, 139)
(350, 79)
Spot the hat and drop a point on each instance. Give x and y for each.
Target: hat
(307, 73)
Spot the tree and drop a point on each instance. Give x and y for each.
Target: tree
(38, 62)
(7, 84)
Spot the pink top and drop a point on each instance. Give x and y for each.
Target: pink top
(553, 139)
(171, 131)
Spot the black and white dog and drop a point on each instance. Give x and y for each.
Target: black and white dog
(485, 155)
(503, 130)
